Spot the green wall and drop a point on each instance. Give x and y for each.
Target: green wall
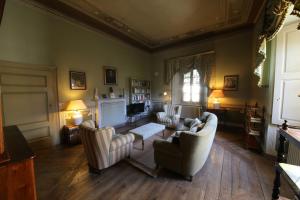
(233, 56)
(33, 36)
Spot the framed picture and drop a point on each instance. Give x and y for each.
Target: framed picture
(231, 82)
(77, 80)
(2, 4)
(110, 75)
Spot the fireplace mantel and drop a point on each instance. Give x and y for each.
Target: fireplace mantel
(111, 112)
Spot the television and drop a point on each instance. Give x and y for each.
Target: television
(136, 108)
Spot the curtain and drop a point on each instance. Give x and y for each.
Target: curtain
(274, 16)
(205, 65)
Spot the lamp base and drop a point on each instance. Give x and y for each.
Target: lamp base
(216, 105)
(77, 120)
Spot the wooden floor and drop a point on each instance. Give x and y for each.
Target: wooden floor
(231, 172)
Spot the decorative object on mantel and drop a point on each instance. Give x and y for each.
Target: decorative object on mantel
(274, 17)
(77, 80)
(231, 82)
(110, 75)
(217, 94)
(96, 96)
(111, 93)
(76, 106)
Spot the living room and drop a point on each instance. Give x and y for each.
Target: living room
(68, 64)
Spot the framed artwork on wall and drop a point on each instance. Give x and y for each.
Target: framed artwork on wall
(77, 80)
(110, 75)
(231, 82)
(2, 4)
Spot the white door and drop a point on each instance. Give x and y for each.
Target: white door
(29, 100)
(286, 102)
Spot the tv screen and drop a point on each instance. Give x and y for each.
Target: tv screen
(135, 108)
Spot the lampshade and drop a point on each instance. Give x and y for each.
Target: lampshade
(217, 94)
(76, 105)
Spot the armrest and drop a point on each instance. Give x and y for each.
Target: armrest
(166, 147)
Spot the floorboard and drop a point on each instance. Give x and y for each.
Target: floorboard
(231, 172)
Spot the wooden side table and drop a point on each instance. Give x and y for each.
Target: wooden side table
(70, 135)
(290, 172)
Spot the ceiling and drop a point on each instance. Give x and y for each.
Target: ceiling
(156, 24)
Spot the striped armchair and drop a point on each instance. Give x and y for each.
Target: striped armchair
(103, 147)
(171, 115)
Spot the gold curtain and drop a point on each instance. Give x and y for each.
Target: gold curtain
(274, 17)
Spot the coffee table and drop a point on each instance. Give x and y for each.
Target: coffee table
(147, 130)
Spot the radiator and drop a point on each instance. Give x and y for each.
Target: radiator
(293, 155)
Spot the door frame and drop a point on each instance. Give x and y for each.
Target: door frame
(54, 137)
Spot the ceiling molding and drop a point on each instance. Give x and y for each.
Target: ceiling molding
(60, 8)
(206, 36)
(2, 5)
(68, 11)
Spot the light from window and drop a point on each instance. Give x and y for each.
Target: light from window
(191, 86)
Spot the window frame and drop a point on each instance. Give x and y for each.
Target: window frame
(191, 85)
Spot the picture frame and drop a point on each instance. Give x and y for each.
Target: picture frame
(2, 4)
(77, 80)
(110, 75)
(231, 82)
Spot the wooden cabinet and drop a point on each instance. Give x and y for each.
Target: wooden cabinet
(17, 180)
(70, 135)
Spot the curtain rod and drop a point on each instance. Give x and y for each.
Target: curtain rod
(189, 55)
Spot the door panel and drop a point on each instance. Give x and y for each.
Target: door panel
(30, 101)
(25, 108)
(290, 101)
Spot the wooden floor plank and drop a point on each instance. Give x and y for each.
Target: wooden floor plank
(231, 172)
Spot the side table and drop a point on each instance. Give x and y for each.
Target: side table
(70, 135)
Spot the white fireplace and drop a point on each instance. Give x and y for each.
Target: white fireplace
(111, 112)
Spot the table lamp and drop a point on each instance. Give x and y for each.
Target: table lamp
(217, 94)
(76, 106)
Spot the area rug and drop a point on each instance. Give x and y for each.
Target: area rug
(144, 159)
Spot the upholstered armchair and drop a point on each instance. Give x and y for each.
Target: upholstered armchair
(188, 153)
(171, 115)
(103, 147)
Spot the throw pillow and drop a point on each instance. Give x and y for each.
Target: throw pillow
(200, 127)
(194, 125)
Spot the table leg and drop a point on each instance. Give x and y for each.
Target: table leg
(281, 158)
(143, 144)
(163, 132)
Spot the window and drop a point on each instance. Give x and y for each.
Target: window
(191, 87)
